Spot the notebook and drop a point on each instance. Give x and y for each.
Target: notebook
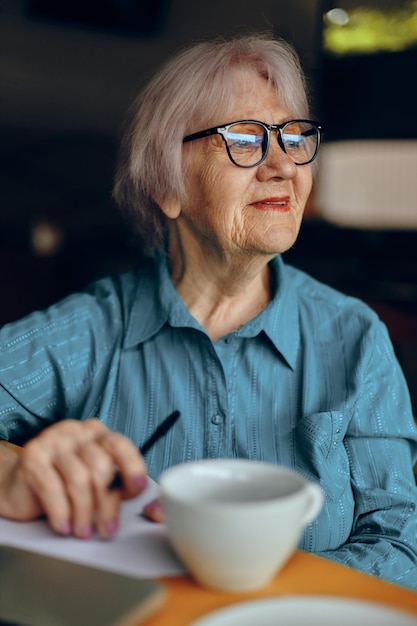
(40, 590)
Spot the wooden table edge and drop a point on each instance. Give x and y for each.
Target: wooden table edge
(304, 574)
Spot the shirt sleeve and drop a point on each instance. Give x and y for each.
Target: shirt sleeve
(381, 446)
(51, 361)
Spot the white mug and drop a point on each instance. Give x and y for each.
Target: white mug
(235, 522)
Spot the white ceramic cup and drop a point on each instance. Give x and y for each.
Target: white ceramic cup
(235, 522)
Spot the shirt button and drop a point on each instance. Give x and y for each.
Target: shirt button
(216, 420)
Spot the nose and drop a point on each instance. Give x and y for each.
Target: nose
(277, 163)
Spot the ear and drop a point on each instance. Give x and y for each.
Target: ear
(170, 206)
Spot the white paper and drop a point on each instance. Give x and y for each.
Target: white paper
(139, 549)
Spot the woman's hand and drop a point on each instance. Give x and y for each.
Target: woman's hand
(64, 474)
(154, 511)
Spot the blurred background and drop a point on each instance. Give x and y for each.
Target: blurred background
(70, 69)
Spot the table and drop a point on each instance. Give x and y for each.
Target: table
(304, 574)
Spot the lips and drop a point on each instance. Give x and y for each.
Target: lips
(279, 203)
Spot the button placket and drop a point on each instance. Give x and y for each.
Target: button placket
(216, 404)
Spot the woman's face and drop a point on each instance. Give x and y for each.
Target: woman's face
(231, 210)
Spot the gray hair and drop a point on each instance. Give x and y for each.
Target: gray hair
(193, 90)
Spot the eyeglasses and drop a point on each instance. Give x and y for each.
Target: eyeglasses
(247, 141)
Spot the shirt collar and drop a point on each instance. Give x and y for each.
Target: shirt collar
(279, 321)
(155, 290)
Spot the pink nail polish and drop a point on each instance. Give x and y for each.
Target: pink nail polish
(140, 481)
(154, 511)
(85, 533)
(111, 526)
(65, 528)
(153, 506)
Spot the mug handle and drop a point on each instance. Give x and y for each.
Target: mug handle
(315, 501)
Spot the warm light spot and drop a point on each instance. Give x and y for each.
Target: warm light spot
(368, 30)
(46, 237)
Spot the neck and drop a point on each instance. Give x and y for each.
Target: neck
(222, 294)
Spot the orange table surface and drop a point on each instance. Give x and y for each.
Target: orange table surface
(304, 574)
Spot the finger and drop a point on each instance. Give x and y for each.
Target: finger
(71, 434)
(154, 511)
(44, 484)
(128, 460)
(77, 481)
(60, 478)
(64, 472)
(107, 511)
(49, 479)
(86, 474)
(106, 502)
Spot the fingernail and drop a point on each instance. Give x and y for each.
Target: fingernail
(111, 526)
(154, 511)
(85, 532)
(65, 528)
(155, 506)
(140, 481)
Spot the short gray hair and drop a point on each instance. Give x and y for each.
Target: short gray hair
(191, 91)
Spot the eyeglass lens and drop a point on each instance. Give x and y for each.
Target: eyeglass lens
(247, 142)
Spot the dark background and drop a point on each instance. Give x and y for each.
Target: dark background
(68, 72)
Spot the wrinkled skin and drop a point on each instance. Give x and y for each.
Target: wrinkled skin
(64, 474)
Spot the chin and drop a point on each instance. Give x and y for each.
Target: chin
(279, 244)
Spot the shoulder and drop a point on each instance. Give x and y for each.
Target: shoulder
(99, 310)
(329, 315)
(316, 296)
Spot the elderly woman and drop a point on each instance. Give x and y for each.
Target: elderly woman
(261, 360)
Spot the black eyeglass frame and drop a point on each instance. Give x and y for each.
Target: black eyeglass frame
(224, 128)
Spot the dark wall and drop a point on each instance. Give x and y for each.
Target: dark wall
(370, 96)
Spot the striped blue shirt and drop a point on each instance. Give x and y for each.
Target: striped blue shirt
(311, 383)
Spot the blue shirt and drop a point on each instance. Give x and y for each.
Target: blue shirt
(312, 383)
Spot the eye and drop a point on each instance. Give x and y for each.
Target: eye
(294, 142)
(244, 141)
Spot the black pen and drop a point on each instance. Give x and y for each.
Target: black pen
(158, 433)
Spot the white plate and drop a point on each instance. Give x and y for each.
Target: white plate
(307, 611)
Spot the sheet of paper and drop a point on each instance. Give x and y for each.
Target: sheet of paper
(139, 549)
